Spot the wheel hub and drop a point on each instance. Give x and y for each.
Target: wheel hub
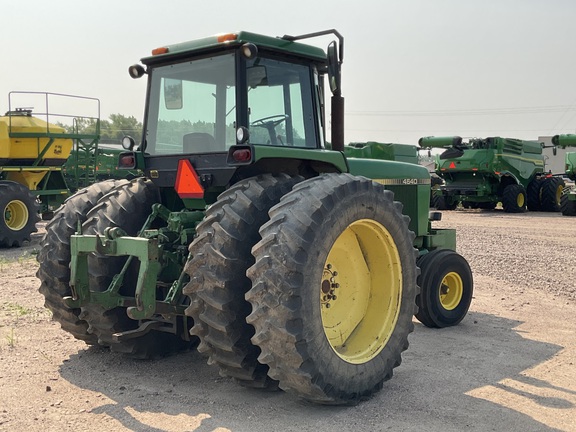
(451, 291)
(328, 286)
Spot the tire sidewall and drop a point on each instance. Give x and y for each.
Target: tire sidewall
(434, 269)
(350, 209)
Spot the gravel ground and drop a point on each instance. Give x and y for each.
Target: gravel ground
(509, 365)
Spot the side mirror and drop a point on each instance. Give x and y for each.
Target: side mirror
(173, 93)
(256, 75)
(554, 150)
(334, 75)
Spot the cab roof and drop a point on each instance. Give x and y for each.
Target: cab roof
(222, 41)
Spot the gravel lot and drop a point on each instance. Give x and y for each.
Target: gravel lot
(510, 365)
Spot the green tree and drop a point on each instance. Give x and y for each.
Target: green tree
(119, 126)
(112, 130)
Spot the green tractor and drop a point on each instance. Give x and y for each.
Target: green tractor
(286, 262)
(568, 198)
(481, 172)
(42, 163)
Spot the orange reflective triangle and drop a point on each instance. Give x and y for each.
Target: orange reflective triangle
(452, 165)
(187, 181)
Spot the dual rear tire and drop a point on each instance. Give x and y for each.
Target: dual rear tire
(545, 194)
(286, 283)
(331, 325)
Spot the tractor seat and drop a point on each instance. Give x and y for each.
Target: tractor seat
(200, 142)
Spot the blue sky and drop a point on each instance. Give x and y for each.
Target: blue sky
(411, 67)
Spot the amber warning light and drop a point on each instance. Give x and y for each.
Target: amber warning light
(187, 182)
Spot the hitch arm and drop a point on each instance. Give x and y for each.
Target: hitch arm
(146, 250)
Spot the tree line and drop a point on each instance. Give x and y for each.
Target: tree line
(112, 130)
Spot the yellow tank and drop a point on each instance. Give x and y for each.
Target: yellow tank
(30, 148)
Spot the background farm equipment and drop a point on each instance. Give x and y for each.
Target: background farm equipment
(42, 163)
(568, 199)
(481, 172)
(288, 261)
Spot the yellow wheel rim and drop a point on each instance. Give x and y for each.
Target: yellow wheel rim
(16, 215)
(451, 291)
(361, 291)
(520, 200)
(559, 191)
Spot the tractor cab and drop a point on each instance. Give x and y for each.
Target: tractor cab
(217, 99)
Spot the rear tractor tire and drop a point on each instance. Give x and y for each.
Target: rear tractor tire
(126, 207)
(446, 288)
(514, 199)
(54, 257)
(19, 214)
(330, 322)
(220, 255)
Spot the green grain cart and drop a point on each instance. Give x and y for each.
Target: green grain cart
(481, 172)
(288, 263)
(568, 199)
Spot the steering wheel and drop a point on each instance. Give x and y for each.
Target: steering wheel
(269, 123)
(266, 122)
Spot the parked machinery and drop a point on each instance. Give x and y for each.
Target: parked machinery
(481, 172)
(568, 199)
(289, 263)
(42, 163)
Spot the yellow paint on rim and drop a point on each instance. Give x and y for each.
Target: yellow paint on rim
(520, 200)
(361, 291)
(451, 291)
(559, 191)
(16, 215)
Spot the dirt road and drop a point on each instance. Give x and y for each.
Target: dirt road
(510, 365)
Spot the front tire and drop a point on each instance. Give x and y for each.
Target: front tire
(446, 288)
(330, 321)
(514, 199)
(19, 214)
